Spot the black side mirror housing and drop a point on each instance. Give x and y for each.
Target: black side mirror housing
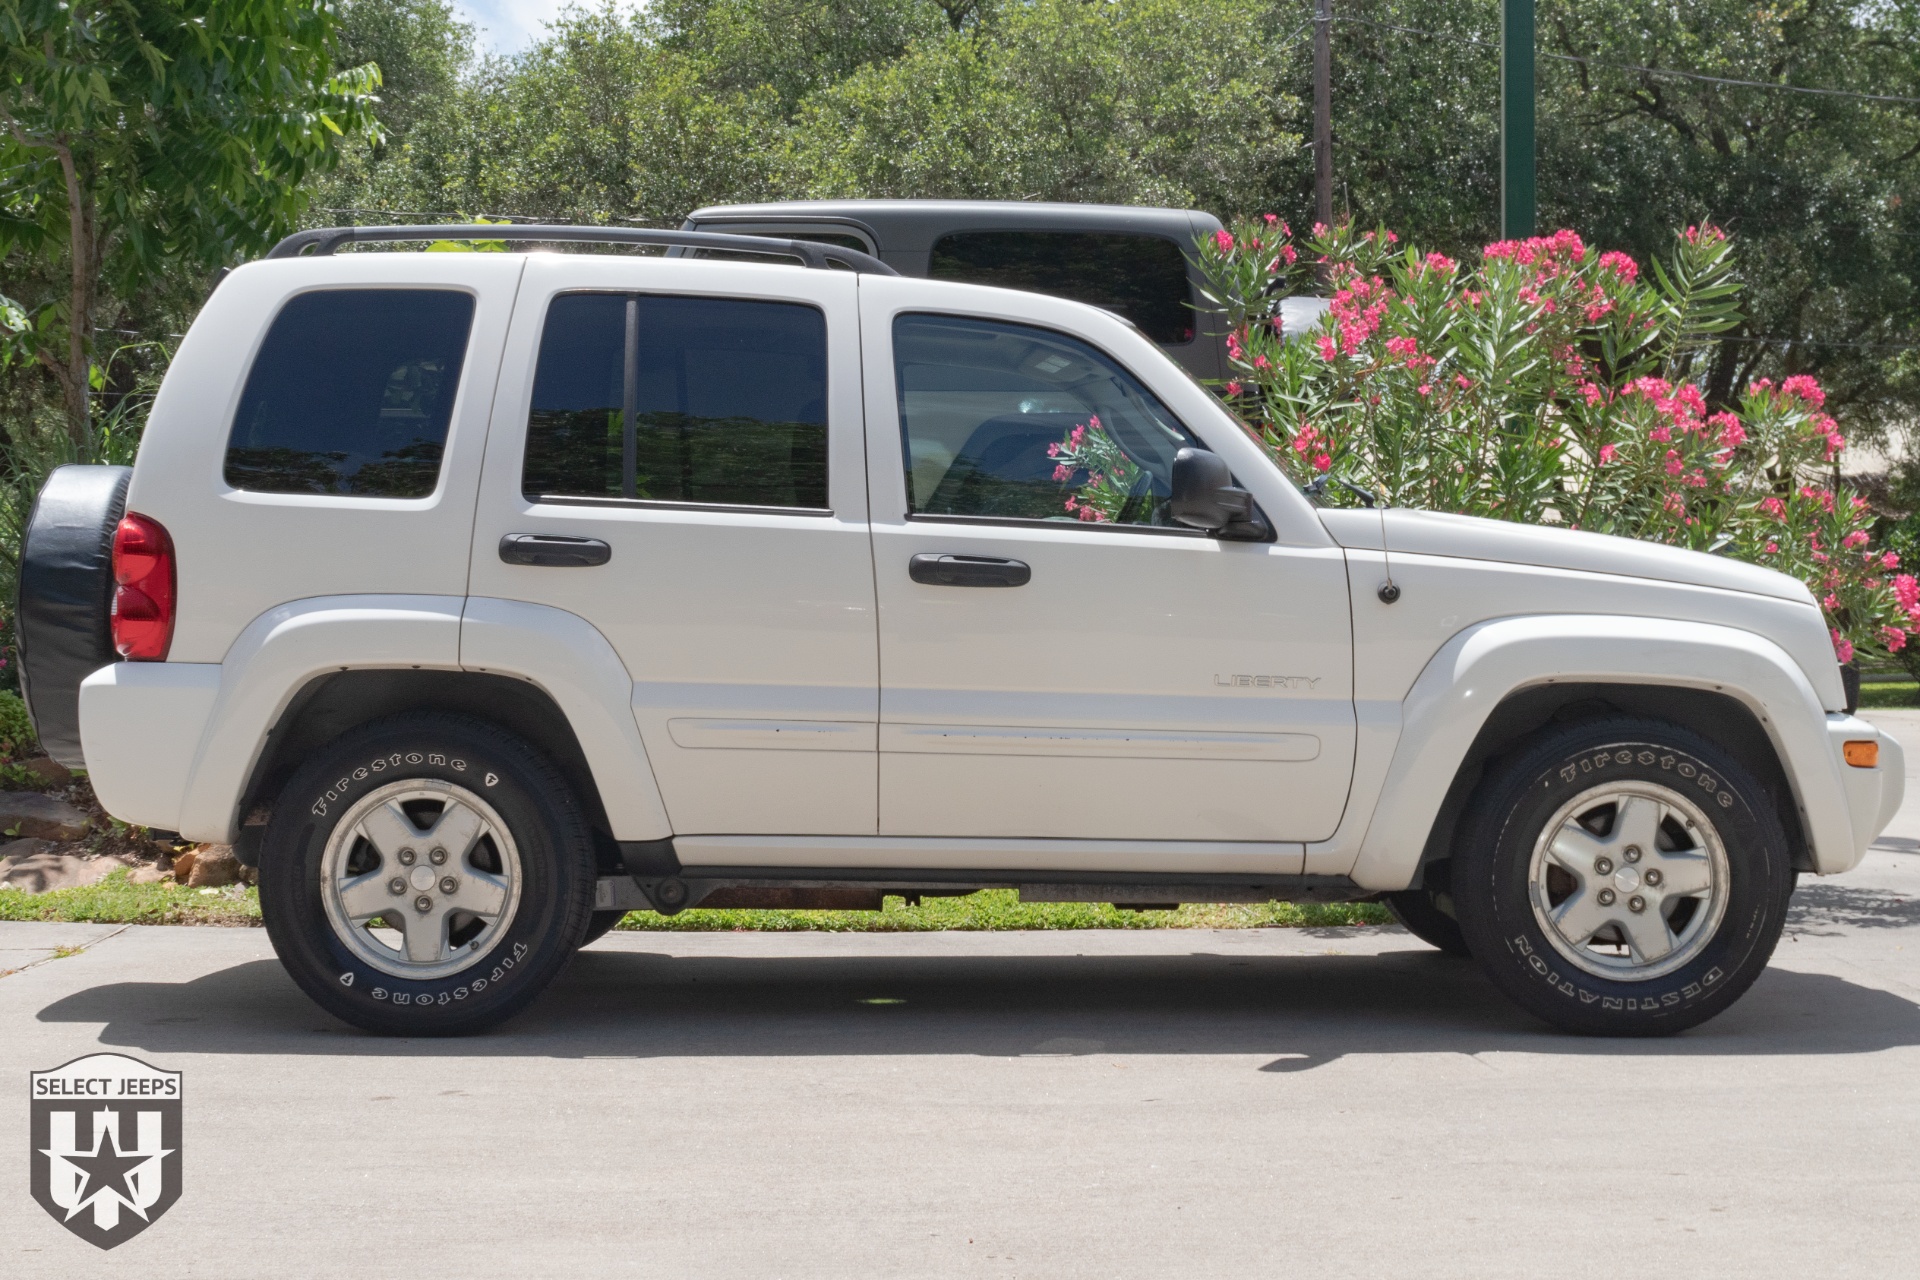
(1205, 497)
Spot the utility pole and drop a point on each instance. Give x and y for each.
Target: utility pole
(1323, 111)
(1516, 119)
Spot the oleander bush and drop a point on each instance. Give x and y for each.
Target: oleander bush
(1552, 385)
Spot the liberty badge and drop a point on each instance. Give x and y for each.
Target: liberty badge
(106, 1145)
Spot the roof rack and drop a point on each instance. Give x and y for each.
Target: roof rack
(323, 241)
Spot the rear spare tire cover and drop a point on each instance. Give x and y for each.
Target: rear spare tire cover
(66, 598)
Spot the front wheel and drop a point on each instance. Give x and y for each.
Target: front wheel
(1623, 877)
(426, 875)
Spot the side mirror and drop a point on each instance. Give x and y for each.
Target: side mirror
(1205, 497)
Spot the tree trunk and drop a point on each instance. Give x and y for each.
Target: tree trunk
(83, 248)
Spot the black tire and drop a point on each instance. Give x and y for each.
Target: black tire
(64, 603)
(600, 923)
(531, 941)
(1426, 919)
(1531, 789)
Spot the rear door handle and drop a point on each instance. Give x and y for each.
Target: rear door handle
(937, 570)
(553, 550)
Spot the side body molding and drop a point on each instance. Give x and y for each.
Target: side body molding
(1474, 671)
(566, 656)
(277, 654)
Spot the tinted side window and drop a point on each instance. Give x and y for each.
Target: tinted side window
(1143, 278)
(705, 400)
(351, 394)
(1011, 421)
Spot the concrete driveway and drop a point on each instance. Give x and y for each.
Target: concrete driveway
(1266, 1102)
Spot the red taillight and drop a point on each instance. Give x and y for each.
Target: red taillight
(143, 602)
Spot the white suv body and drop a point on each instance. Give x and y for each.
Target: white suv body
(768, 687)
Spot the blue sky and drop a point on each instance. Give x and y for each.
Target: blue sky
(508, 26)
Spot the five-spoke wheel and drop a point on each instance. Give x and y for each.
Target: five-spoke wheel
(1629, 880)
(420, 878)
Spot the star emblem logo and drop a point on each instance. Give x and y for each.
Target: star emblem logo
(105, 1143)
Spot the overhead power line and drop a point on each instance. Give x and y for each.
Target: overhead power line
(1650, 71)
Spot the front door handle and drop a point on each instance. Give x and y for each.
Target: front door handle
(554, 551)
(968, 571)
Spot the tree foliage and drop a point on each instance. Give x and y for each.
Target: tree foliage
(142, 137)
(645, 115)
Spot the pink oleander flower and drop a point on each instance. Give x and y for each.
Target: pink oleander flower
(1674, 465)
(1889, 561)
(1402, 346)
(1858, 538)
(1463, 382)
(1842, 647)
(1593, 393)
(1261, 362)
(1773, 548)
(1607, 453)
(1326, 345)
(1804, 388)
(1732, 434)
(1835, 443)
(1906, 590)
(1425, 388)
(1224, 240)
(1289, 254)
(1271, 218)
(1322, 462)
(1439, 262)
(1895, 637)
(1774, 507)
(1233, 389)
(1663, 434)
(1621, 265)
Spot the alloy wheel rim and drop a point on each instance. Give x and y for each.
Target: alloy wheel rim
(420, 878)
(1629, 881)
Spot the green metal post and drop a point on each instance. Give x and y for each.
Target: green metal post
(1516, 119)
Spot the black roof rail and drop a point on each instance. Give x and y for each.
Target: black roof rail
(323, 241)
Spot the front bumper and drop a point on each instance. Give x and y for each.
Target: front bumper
(1873, 794)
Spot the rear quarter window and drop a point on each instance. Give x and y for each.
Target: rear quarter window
(351, 394)
(1143, 278)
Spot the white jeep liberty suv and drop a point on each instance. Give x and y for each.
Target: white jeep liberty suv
(480, 597)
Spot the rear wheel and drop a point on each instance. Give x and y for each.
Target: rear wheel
(426, 875)
(1622, 878)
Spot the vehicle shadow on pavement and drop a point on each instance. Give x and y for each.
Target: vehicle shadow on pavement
(1301, 1012)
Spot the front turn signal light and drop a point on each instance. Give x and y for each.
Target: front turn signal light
(1862, 755)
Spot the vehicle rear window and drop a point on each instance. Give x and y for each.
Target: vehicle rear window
(666, 399)
(1143, 278)
(352, 393)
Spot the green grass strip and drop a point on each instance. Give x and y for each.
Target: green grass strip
(1893, 693)
(115, 901)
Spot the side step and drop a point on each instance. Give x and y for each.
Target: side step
(656, 888)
